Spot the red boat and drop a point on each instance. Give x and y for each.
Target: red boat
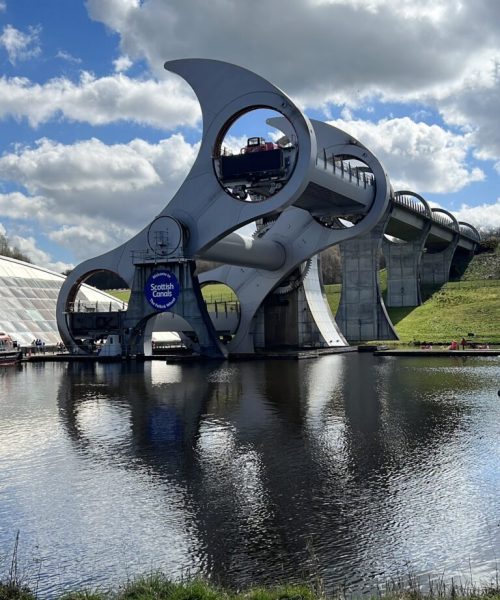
(9, 351)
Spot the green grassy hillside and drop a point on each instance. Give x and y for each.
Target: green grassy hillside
(483, 266)
(470, 305)
(457, 309)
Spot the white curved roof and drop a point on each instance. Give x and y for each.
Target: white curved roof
(28, 298)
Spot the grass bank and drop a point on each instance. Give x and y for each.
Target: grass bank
(158, 587)
(452, 312)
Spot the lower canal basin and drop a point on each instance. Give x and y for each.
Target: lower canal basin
(350, 469)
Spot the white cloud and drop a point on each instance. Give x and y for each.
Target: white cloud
(89, 197)
(20, 46)
(476, 108)
(84, 167)
(62, 54)
(51, 218)
(426, 9)
(420, 157)
(123, 63)
(114, 13)
(37, 256)
(164, 104)
(3, 6)
(345, 46)
(484, 217)
(90, 238)
(16, 205)
(442, 54)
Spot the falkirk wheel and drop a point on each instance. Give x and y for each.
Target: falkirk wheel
(298, 192)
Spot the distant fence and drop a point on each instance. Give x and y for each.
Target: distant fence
(223, 307)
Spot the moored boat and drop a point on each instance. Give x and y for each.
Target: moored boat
(9, 352)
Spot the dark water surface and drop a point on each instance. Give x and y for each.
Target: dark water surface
(352, 468)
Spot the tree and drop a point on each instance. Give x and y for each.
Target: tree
(331, 265)
(11, 251)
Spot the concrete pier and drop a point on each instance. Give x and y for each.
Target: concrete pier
(362, 315)
(436, 261)
(403, 263)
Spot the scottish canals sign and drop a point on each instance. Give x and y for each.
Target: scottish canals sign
(162, 290)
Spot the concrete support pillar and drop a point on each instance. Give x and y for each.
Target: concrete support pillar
(436, 265)
(403, 270)
(190, 306)
(362, 315)
(460, 261)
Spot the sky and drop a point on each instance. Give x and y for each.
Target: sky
(96, 136)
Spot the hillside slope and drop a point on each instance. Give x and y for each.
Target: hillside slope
(454, 311)
(483, 266)
(469, 305)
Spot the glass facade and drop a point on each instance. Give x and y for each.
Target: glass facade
(28, 298)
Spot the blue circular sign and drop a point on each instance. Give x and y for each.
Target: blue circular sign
(162, 290)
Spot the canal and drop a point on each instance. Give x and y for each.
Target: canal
(349, 469)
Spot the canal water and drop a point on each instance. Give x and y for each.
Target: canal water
(349, 469)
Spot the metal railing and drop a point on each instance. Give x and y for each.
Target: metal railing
(82, 306)
(411, 204)
(441, 219)
(469, 232)
(223, 307)
(344, 170)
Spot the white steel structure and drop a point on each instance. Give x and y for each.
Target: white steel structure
(301, 195)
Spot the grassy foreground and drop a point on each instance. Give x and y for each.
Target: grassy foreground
(158, 587)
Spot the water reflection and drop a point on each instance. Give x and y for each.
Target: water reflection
(348, 467)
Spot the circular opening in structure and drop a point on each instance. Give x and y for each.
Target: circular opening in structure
(223, 306)
(110, 283)
(254, 157)
(92, 311)
(357, 173)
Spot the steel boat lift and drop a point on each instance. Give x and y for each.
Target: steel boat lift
(294, 188)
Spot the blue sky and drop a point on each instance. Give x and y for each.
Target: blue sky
(97, 136)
